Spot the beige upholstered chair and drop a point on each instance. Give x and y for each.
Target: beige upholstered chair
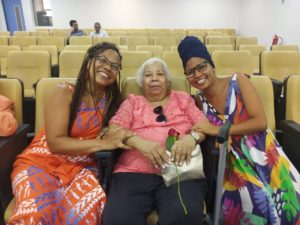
(229, 62)
(70, 63)
(12, 88)
(28, 66)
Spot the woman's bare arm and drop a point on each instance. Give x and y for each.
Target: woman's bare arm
(57, 112)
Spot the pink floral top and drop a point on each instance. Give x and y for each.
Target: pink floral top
(136, 113)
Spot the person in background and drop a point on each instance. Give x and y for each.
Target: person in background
(54, 179)
(137, 185)
(98, 31)
(74, 31)
(261, 186)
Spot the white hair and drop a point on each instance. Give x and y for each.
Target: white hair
(141, 72)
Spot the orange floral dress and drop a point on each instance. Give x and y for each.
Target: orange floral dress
(55, 188)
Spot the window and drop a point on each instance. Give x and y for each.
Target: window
(42, 11)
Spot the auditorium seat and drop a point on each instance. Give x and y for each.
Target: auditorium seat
(114, 39)
(77, 47)
(165, 41)
(80, 40)
(291, 125)
(279, 64)
(4, 40)
(4, 33)
(243, 40)
(23, 42)
(70, 63)
(285, 48)
(3, 57)
(212, 48)
(172, 59)
(13, 89)
(58, 41)
(255, 51)
(133, 41)
(52, 49)
(21, 33)
(156, 50)
(132, 61)
(28, 66)
(229, 62)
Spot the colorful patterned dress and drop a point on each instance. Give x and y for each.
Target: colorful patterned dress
(55, 188)
(261, 186)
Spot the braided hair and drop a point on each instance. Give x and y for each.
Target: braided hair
(112, 91)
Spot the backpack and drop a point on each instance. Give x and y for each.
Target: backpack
(8, 122)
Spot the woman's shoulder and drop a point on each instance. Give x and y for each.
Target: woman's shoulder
(63, 90)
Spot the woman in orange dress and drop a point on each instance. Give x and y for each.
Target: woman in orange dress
(54, 180)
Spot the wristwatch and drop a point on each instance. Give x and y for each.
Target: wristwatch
(195, 135)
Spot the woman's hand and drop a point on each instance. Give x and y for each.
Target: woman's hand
(207, 128)
(155, 152)
(115, 137)
(182, 150)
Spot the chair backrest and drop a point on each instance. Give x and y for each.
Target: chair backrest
(217, 40)
(264, 87)
(130, 86)
(133, 41)
(279, 64)
(119, 33)
(172, 59)
(59, 42)
(5, 33)
(40, 33)
(165, 41)
(44, 89)
(60, 32)
(23, 41)
(4, 50)
(132, 61)
(293, 98)
(155, 49)
(255, 51)
(13, 89)
(21, 33)
(76, 47)
(212, 48)
(3, 40)
(80, 40)
(285, 48)
(28, 66)
(70, 63)
(52, 49)
(229, 62)
(241, 40)
(113, 39)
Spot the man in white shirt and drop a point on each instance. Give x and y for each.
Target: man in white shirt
(98, 32)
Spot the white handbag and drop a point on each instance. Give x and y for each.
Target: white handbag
(185, 172)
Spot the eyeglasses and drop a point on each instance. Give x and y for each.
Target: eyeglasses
(104, 61)
(160, 111)
(199, 68)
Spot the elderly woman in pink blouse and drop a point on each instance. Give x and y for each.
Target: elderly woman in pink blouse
(137, 185)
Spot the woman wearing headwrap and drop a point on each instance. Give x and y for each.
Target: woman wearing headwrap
(261, 186)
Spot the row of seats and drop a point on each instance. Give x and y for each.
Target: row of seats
(262, 84)
(127, 32)
(31, 65)
(130, 41)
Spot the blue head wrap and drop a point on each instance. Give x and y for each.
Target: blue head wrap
(190, 47)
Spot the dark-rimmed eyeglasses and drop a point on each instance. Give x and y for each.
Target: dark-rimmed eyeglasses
(104, 61)
(160, 111)
(200, 68)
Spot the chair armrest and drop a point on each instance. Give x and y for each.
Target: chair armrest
(291, 141)
(10, 147)
(105, 163)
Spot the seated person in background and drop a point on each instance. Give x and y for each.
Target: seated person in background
(261, 186)
(74, 31)
(98, 31)
(137, 186)
(55, 179)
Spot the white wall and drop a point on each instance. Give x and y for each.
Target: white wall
(264, 18)
(2, 18)
(147, 13)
